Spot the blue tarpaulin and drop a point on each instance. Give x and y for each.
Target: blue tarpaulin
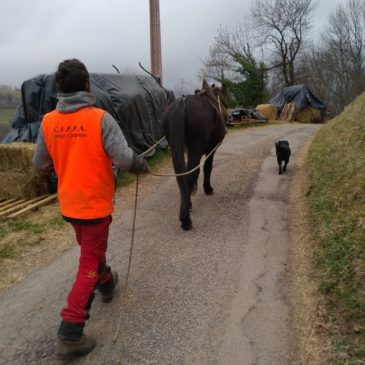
(300, 95)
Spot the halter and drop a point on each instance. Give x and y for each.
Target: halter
(219, 104)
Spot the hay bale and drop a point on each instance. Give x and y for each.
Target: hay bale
(268, 110)
(16, 156)
(309, 115)
(288, 112)
(18, 177)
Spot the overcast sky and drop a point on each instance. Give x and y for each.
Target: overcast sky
(35, 35)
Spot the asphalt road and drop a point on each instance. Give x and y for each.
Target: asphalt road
(215, 295)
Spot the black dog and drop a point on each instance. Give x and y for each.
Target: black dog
(282, 154)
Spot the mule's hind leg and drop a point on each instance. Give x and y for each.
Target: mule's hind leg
(208, 165)
(194, 161)
(185, 203)
(184, 216)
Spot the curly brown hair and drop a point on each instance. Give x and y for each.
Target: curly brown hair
(72, 76)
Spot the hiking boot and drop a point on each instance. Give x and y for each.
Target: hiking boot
(107, 290)
(68, 350)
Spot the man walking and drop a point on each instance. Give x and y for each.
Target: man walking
(81, 143)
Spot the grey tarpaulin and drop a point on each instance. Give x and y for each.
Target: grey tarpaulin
(300, 95)
(135, 101)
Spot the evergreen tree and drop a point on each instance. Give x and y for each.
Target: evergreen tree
(251, 89)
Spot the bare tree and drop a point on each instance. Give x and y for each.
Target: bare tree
(313, 69)
(283, 26)
(222, 60)
(232, 61)
(334, 67)
(344, 37)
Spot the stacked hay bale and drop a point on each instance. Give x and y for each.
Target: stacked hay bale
(309, 115)
(268, 110)
(18, 178)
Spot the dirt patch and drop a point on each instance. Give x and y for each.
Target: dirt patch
(309, 345)
(34, 250)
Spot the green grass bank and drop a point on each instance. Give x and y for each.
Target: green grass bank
(337, 205)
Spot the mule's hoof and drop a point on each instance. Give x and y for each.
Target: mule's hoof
(194, 189)
(208, 191)
(186, 227)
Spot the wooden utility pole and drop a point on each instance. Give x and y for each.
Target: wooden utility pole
(155, 34)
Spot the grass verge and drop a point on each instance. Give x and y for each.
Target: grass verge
(17, 236)
(337, 202)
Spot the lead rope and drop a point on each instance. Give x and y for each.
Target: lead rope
(152, 147)
(129, 263)
(134, 225)
(193, 169)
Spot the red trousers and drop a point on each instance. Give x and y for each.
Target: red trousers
(93, 242)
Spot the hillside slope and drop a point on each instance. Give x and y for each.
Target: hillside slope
(337, 202)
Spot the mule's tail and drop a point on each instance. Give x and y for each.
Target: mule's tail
(177, 126)
(177, 121)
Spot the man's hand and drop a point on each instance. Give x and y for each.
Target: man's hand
(139, 165)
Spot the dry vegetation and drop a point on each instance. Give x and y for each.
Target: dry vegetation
(30, 242)
(337, 198)
(18, 178)
(310, 342)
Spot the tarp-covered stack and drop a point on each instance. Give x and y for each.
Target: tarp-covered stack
(309, 108)
(135, 101)
(18, 178)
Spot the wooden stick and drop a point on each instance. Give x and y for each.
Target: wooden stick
(10, 205)
(35, 205)
(6, 202)
(20, 204)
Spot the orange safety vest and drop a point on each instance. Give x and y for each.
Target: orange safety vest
(86, 182)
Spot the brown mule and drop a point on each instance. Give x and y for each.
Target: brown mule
(195, 123)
